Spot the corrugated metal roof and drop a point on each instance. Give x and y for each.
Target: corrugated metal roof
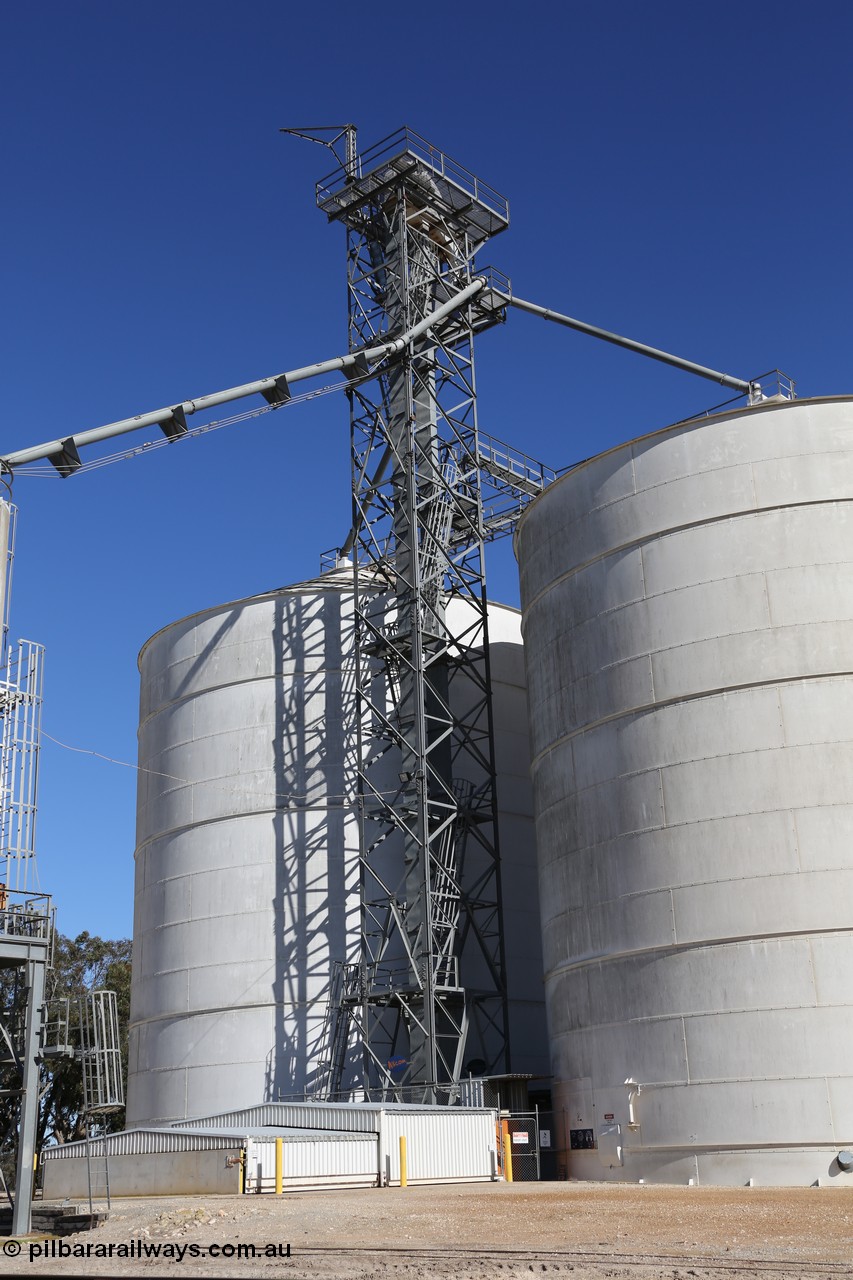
(293, 1122)
(347, 1117)
(270, 1132)
(443, 1142)
(136, 1142)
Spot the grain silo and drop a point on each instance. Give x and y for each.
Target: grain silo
(247, 876)
(688, 626)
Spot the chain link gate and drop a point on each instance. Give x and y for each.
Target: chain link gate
(533, 1143)
(524, 1144)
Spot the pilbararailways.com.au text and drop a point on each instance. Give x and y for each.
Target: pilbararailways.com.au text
(147, 1249)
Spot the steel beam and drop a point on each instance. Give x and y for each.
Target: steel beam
(28, 1125)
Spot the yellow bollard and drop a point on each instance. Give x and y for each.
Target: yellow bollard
(404, 1180)
(279, 1166)
(507, 1141)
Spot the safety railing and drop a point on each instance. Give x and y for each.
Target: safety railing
(773, 385)
(25, 915)
(511, 466)
(406, 141)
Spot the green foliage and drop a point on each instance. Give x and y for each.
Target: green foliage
(81, 964)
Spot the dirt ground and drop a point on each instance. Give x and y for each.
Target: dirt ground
(591, 1230)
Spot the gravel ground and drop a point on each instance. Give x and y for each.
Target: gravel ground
(474, 1232)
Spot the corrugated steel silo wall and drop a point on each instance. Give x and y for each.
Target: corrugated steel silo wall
(247, 852)
(246, 870)
(688, 624)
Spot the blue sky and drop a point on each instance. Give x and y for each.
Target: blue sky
(675, 172)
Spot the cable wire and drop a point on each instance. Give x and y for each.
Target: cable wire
(288, 797)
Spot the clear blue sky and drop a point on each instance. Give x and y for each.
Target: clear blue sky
(676, 172)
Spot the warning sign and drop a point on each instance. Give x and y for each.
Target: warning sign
(521, 1138)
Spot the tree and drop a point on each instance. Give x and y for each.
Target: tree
(80, 965)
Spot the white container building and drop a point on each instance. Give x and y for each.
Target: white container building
(322, 1145)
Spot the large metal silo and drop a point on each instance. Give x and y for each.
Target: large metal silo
(247, 877)
(688, 623)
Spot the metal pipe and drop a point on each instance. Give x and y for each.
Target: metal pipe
(355, 358)
(713, 375)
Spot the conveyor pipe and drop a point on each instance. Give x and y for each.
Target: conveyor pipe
(355, 359)
(713, 375)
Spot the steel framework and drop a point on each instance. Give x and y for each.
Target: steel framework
(26, 916)
(432, 960)
(103, 1085)
(20, 722)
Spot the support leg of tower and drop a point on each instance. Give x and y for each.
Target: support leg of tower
(22, 1212)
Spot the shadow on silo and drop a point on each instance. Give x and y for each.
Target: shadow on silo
(312, 862)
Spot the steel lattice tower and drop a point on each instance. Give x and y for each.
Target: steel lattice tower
(26, 915)
(431, 945)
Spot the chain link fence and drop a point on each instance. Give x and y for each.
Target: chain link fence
(533, 1145)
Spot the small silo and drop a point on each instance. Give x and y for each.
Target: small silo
(247, 878)
(687, 609)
